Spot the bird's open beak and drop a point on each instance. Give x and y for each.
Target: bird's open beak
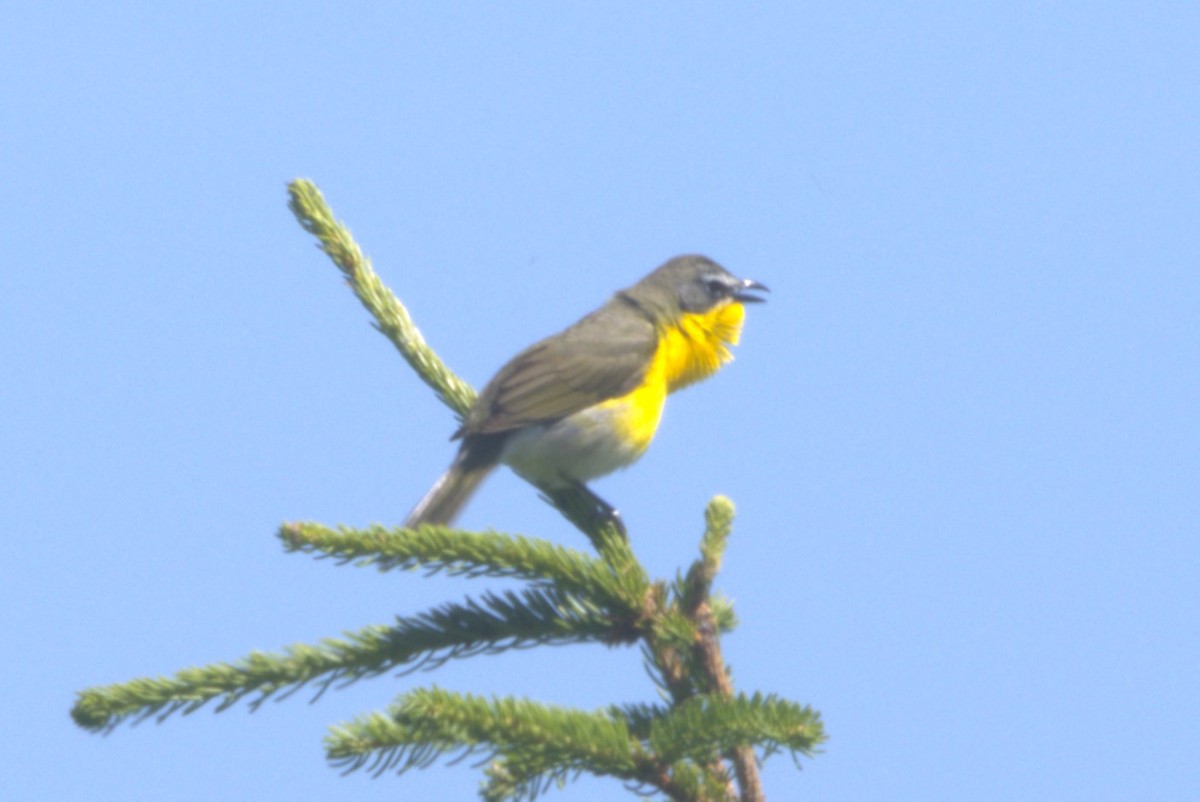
(750, 284)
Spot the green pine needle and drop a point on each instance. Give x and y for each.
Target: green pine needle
(695, 728)
(391, 317)
(494, 623)
(472, 554)
(429, 723)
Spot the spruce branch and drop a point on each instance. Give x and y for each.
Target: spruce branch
(391, 317)
(707, 658)
(496, 622)
(684, 652)
(718, 523)
(473, 554)
(427, 723)
(683, 618)
(530, 745)
(697, 727)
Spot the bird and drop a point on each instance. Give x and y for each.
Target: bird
(587, 401)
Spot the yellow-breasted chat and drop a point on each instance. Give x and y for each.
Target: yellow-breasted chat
(587, 401)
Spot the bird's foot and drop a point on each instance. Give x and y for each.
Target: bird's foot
(604, 513)
(583, 507)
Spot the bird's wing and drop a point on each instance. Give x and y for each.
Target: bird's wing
(603, 356)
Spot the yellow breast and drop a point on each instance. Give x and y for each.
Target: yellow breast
(688, 351)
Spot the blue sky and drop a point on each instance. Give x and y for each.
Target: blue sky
(962, 435)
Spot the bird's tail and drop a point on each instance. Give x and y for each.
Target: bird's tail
(445, 500)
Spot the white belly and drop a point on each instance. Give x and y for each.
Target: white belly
(580, 448)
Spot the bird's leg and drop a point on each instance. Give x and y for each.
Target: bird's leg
(604, 512)
(583, 507)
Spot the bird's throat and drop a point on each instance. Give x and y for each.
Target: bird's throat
(697, 345)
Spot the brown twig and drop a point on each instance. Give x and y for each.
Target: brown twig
(708, 650)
